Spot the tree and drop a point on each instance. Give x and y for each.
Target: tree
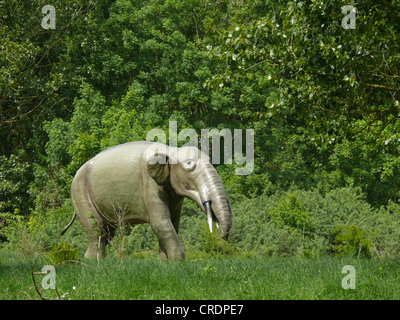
(340, 85)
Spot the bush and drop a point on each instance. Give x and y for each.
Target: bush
(9, 224)
(290, 212)
(135, 239)
(274, 224)
(213, 243)
(62, 252)
(15, 176)
(352, 241)
(386, 228)
(294, 222)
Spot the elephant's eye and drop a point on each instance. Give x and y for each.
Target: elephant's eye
(188, 164)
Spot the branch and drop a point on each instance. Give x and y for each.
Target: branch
(379, 86)
(258, 63)
(385, 75)
(375, 136)
(376, 86)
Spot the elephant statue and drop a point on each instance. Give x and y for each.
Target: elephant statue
(146, 182)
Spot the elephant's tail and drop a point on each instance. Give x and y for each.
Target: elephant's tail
(69, 224)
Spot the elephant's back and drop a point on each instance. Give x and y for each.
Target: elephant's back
(134, 147)
(117, 160)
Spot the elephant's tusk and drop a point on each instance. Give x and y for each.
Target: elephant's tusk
(207, 207)
(209, 218)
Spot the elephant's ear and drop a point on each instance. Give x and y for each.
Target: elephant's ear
(158, 168)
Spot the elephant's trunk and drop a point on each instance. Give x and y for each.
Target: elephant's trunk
(215, 200)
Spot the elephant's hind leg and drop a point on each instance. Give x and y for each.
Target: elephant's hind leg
(88, 216)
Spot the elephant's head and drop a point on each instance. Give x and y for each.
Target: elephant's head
(193, 176)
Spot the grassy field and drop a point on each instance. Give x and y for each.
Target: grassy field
(248, 278)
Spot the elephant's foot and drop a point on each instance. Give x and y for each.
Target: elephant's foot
(171, 252)
(162, 255)
(176, 255)
(94, 254)
(179, 257)
(95, 250)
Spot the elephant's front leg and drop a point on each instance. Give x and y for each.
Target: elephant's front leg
(163, 227)
(175, 214)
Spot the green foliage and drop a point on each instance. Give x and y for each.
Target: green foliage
(9, 224)
(39, 75)
(326, 81)
(209, 271)
(212, 243)
(277, 224)
(136, 239)
(61, 253)
(323, 106)
(290, 212)
(351, 241)
(230, 278)
(15, 176)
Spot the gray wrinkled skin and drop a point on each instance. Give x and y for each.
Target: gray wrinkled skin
(146, 182)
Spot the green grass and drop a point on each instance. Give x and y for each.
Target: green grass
(235, 277)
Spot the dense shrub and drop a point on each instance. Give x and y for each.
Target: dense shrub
(294, 222)
(351, 241)
(62, 252)
(290, 212)
(339, 222)
(212, 242)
